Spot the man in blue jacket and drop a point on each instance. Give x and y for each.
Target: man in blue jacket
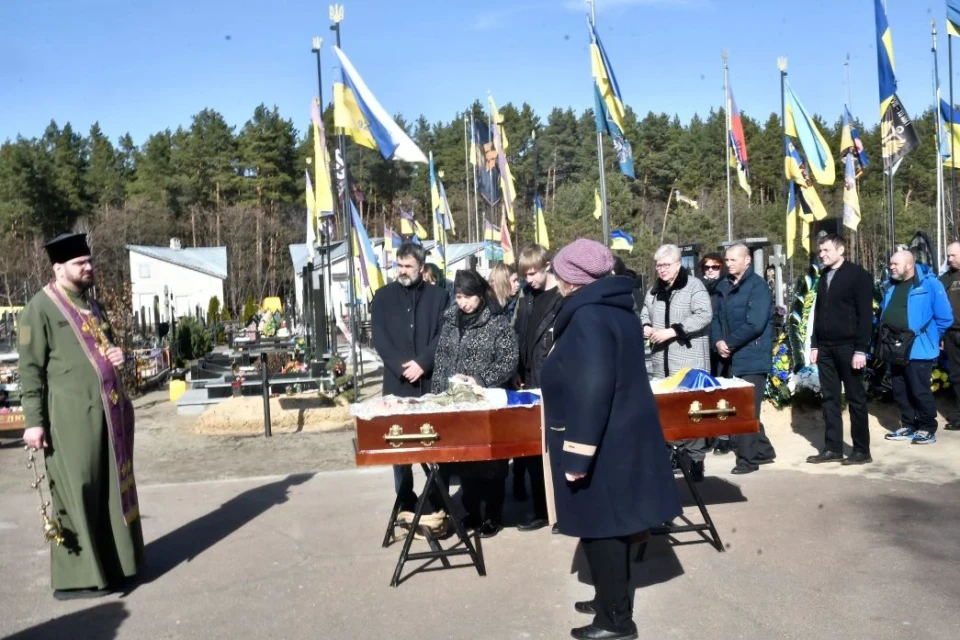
(916, 301)
(743, 337)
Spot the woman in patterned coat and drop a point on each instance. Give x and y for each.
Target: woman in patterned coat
(677, 314)
(481, 347)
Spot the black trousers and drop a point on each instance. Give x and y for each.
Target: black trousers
(951, 344)
(403, 484)
(609, 562)
(912, 393)
(538, 490)
(754, 448)
(835, 366)
(489, 492)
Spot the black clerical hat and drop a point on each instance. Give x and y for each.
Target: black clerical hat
(67, 246)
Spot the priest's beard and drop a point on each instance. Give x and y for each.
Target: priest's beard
(407, 281)
(78, 281)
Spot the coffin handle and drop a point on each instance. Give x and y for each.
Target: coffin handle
(396, 437)
(723, 410)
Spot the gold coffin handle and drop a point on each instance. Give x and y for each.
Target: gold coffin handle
(396, 437)
(723, 410)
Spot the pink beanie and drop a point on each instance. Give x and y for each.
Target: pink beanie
(582, 262)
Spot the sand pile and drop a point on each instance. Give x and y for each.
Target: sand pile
(288, 414)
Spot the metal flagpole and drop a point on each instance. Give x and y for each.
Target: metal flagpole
(726, 110)
(603, 177)
(330, 307)
(846, 80)
(466, 170)
(953, 174)
(536, 192)
(936, 109)
(782, 65)
(336, 16)
(476, 200)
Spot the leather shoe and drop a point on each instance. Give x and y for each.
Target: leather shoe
(585, 606)
(593, 632)
(825, 456)
(79, 594)
(555, 530)
(489, 529)
(952, 427)
(533, 525)
(857, 457)
(743, 469)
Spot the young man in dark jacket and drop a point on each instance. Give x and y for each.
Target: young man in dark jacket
(840, 340)
(743, 337)
(537, 310)
(407, 317)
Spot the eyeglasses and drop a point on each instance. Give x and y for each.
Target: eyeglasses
(665, 265)
(711, 267)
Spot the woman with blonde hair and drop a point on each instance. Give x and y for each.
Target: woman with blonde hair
(505, 286)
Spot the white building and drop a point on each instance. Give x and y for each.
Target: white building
(458, 256)
(187, 277)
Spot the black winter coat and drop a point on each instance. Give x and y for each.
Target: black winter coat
(406, 326)
(744, 319)
(485, 350)
(843, 314)
(533, 355)
(602, 419)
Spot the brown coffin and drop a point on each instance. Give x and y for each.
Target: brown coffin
(469, 436)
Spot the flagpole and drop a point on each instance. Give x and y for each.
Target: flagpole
(336, 16)
(936, 109)
(466, 169)
(726, 109)
(603, 177)
(329, 307)
(855, 245)
(536, 193)
(476, 200)
(953, 174)
(782, 65)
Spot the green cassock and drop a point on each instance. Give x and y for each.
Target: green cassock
(70, 389)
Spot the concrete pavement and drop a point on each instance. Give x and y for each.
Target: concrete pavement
(808, 556)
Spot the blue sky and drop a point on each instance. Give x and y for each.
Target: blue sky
(142, 66)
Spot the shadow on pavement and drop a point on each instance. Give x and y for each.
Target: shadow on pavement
(192, 539)
(102, 622)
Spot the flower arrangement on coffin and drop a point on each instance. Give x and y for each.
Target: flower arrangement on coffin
(294, 367)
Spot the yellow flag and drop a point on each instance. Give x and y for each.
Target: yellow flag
(597, 204)
(542, 238)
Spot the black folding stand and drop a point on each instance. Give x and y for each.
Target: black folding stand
(434, 483)
(705, 529)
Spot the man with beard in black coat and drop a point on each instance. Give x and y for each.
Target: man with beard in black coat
(407, 316)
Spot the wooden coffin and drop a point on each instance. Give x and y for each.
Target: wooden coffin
(468, 436)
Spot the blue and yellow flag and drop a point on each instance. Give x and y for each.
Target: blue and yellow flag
(850, 142)
(541, 225)
(370, 275)
(356, 110)
(950, 145)
(506, 177)
(323, 197)
(851, 201)
(953, 18)
(800, 125)
(410, 227)
(897, 135)
(796, 172)
(609, 110)
(437, 204)
(621, 241)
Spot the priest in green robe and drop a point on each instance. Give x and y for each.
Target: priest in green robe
(78, 413)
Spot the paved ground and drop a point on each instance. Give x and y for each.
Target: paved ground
(812, 552)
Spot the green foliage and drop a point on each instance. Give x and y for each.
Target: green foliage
(213, 310)
(241, 186)
(193, 339)
(249, 310)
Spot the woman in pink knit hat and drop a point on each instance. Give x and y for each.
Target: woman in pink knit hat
(610, 477)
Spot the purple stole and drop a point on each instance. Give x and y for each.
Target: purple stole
(90, 331)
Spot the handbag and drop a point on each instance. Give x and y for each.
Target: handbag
(894, 345)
